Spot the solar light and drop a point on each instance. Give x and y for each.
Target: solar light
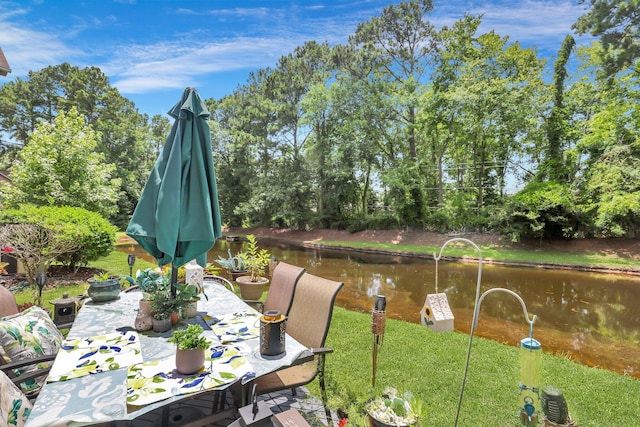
(131, 259)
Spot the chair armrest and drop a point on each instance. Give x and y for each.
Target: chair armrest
(309, 354)
(321, 350)
(27, 376)
(27, 362)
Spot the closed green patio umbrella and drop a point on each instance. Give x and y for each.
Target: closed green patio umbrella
(177, 218)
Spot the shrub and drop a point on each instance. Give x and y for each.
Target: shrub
(92, 236)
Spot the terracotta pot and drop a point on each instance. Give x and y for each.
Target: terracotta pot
(144, 318)
(189, 361)
(175, 318)
(251, 291)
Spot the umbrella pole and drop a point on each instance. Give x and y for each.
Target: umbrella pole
(174, 271)
(174, 279)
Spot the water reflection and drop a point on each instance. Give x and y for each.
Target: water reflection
(591, 318)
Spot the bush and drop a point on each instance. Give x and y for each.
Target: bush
(542, 210)
(92, 236)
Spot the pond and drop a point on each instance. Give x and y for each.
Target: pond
(590, 318)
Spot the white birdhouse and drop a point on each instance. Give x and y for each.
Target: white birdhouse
(436, 313)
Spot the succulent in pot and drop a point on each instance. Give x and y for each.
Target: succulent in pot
(234, 264)
(392, 409)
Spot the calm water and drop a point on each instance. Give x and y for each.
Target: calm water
(591, 318)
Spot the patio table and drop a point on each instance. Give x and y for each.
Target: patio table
(97, 392)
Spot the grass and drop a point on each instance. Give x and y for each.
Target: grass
(513, 255)
(431, 365)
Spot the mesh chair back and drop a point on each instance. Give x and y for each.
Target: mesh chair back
(282, 288)
(311, 309)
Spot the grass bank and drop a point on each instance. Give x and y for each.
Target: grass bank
(587, 260)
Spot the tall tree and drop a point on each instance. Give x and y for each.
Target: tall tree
(617, 23)
(124, 132)
(60, 167)
(554, 167)
(401, 42)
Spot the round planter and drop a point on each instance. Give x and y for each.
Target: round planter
(189, 361)
(249, 290)
(144, 319)
(161, 325)
(104, 290)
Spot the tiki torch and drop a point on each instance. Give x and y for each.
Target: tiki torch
(377, 328)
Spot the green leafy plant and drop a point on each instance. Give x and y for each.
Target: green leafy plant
(234, 263)
(188, 293)
(255, 259)
(163, 304)
(101, 277)
(211, 269)
(189, 338)
(151, 281)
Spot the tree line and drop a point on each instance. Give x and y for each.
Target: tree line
(402, 126)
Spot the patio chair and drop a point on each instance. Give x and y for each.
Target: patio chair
(30, 342)
(308, 322)
(283, 283)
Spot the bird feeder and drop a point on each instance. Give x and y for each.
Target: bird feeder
(64, 309)
(530, 353)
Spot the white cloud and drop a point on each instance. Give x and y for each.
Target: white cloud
(139, 69)
(531, 22)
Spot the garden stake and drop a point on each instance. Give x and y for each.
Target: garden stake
(377, 328)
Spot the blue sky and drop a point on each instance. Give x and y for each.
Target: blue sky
(151, 50)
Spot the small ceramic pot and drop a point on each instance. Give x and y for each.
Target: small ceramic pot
(162, 325)
(189, 361)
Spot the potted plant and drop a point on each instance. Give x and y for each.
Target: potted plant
(189, 295)
(391, 409)
(165, 310)
(104, 287)
(234, 264)
(150, 281)
(190, 348)
(256, 260)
